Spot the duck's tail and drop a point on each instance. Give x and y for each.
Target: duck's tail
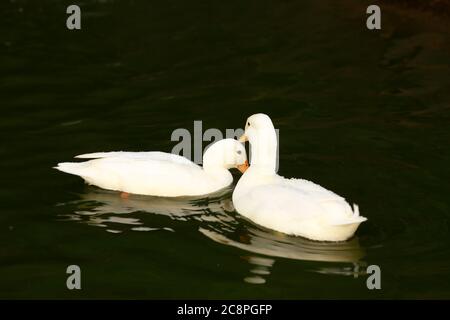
(97, 155)
(76, 168)
(355, 218)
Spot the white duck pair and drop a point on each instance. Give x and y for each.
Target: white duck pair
(293, 206)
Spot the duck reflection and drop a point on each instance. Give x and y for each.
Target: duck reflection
(103, 208)
(268, 245)
(219, 222)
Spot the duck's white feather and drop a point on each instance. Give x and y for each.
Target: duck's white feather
(141, 175)
(144, 155)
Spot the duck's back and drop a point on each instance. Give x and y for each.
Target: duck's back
(151, 173)
(292, 206)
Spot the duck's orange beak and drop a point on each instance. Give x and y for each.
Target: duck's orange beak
(243, 167)
(243, 138)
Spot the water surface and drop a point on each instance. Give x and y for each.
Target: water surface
(365, 114)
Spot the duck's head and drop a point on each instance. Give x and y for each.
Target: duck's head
(226, 153)
(255, 125)
(261, 134)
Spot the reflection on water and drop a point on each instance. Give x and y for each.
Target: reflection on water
(219, 222)
(262, 268)
(98, 207)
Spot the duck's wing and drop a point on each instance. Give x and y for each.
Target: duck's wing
(333, 204)
(311, 188)
(160, 174)
(287, 209)
(297, 195)
(148, 155)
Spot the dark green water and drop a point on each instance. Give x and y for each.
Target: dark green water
(363, 113)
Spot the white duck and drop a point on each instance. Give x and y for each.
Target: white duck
(161, 174)
(293, 206)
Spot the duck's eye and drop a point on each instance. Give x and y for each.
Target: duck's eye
(239, 152)
(248, 124)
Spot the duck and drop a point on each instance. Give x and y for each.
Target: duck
(295, 207)
(161, 174)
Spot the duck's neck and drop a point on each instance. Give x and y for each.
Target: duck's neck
(264, 151)
(215, 168)
(218, 174)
